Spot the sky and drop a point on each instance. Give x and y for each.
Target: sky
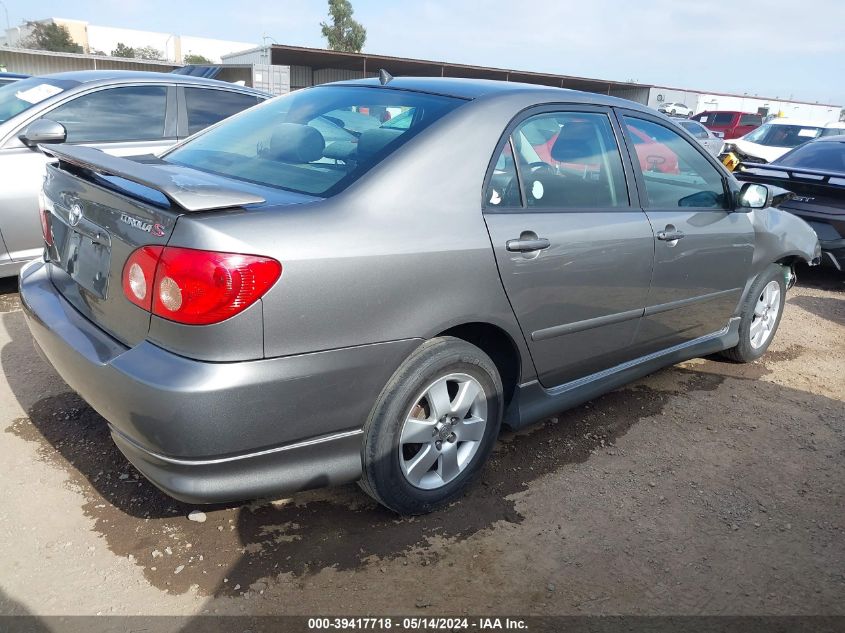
(772, 48)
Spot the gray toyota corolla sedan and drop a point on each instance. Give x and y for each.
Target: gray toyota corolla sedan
(363, 282)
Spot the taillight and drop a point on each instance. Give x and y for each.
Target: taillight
(196, 287)
(139, 273)
(44, 213)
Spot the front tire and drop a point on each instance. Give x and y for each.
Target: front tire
(432, 427)
(760, 316)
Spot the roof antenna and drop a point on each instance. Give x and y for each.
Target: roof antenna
(384, 77)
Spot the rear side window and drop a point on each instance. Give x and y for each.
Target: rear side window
(721, 118)
(207, 106)
(566, 160)
(130, 113)
(676, 174)
(751, 119)
(315, 141)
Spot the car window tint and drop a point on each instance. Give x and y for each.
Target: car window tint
(698, 131)
(822, 155)
(676, 174)
(316, 141)
(503, 190)
(130, 113)
(751, 119)
(721, 118)
(570, 160)
(206, 106)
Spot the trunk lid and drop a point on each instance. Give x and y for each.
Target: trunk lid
(102, 208)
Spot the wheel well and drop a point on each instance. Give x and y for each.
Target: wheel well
(498, 345)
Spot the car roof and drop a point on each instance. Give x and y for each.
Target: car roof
(807, 123)
(463, 88)
(14, 75)
(130, 76)
(839, 138)
(728, 112)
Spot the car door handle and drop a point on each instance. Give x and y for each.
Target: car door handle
(526, 246)
(670, 235)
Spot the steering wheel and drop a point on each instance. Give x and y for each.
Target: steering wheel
(654, 161)
(541, 167)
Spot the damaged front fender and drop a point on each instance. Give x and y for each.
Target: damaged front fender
(781, 237)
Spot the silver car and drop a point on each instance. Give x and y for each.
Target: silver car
(119, 112)
(262, 310)
(700, 133)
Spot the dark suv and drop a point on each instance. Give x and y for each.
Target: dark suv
(729, 124)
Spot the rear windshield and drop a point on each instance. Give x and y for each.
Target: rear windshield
(821, 155)
(781, 135)
(315, 141)
(22, 95)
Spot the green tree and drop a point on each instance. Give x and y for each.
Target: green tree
(344, 33)
(122, 50)
(194, 58)
(148, 52)
(50, 36)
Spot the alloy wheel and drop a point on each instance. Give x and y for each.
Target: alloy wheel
(765, 314)
(442, 431)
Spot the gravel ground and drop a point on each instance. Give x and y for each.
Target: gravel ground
(707, 488)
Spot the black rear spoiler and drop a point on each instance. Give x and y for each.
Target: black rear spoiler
(194, 191)
(820, 177)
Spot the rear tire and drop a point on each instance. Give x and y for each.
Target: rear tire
(432, 427)
(760, 316)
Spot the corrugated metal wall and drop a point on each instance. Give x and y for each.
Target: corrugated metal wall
(640, 95)
(43, 63)
(272, 79)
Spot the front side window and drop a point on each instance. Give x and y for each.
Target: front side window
(569, 160)
(691, 182)
(206, 106)
(130, 113)
(315, 141)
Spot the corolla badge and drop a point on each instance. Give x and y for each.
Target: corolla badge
(154, 229)
(75, 214)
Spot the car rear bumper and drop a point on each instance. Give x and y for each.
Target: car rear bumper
(213, 432)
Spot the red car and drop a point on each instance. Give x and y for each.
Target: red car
(653, 156)
(728, 124)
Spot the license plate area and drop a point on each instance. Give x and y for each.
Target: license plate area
(84, 253)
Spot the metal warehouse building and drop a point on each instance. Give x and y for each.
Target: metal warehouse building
(280, 69)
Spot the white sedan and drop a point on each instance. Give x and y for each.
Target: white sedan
(674, 109)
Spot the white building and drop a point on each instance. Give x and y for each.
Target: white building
(701, 101)
(104, 39)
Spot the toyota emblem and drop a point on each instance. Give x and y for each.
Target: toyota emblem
(75, 214)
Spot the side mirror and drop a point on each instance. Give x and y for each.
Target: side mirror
(754, 196)
(43, 131)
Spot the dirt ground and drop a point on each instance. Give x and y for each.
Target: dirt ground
(707, 488)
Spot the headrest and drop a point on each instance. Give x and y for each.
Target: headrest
(296, 143)
(371, 142)
(576, 140)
